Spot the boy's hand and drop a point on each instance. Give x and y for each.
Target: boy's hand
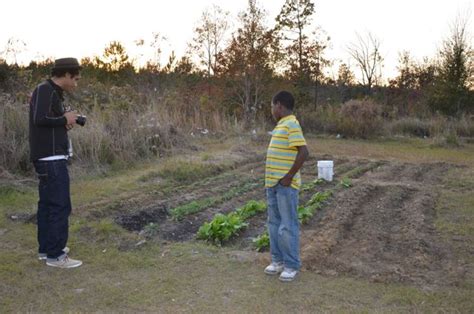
(286, 180)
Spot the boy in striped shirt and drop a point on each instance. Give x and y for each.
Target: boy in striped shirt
(285, 156)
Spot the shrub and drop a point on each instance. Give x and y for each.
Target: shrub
(324, 119)
(410, 127)
(360, 118)
(465, 126)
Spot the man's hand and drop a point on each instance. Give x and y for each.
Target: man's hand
(69, 126)
(286, 180)
(71, 117)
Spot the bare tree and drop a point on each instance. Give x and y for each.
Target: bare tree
(13, 48)
(209, 37)
(366, 53)
(156, 44)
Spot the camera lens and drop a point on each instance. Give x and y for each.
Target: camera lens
(81, 120)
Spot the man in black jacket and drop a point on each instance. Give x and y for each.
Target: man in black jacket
(49, 151)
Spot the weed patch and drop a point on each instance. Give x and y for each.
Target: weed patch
(184, 171)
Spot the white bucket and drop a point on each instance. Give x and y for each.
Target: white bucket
(325, 169)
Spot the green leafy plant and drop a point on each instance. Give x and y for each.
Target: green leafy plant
(221, 228)
(319, 197)
(251, 209)
(312, 184)
(262, 242)
(151, 230)
(346, 182)
(305, 213)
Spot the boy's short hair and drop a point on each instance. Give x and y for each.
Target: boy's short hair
(285, 98)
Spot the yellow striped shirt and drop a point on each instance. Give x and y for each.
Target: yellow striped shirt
(282, 151)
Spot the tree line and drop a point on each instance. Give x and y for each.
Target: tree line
(238, 71)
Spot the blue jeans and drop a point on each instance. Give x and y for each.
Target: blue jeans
(54, 207)
(283, 225)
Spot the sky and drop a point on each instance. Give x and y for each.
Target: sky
(63, 28)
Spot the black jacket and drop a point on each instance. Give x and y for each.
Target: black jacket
(48, 134)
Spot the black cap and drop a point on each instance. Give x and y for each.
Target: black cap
(66, 63)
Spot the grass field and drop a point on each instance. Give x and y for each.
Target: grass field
(128, 270)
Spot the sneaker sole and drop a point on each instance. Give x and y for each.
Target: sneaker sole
(53, 265)
(272, 273)
(286, 279)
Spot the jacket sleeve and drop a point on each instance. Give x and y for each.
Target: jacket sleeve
(43, 109)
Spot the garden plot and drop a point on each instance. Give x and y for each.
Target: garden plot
(379, 225)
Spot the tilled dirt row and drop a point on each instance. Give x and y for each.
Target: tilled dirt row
(134, 215)
(383, 229)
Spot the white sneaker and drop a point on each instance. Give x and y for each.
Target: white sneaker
(44, 256)
(288, 274)
(273, 268)
(65, 262)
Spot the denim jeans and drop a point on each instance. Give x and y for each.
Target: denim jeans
(54, 206)
(283, 225)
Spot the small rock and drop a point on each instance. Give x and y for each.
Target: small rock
(23, 217)
(140, 243)
(3, 231)
(78, 290)
(332, 273)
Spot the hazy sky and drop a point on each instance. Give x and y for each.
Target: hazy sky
(57, 28)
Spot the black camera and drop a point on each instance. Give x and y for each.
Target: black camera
(81, 120)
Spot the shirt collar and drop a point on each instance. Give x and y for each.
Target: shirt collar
(286, 118)
(57, 88)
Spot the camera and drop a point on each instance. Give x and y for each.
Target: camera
(81, 120)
